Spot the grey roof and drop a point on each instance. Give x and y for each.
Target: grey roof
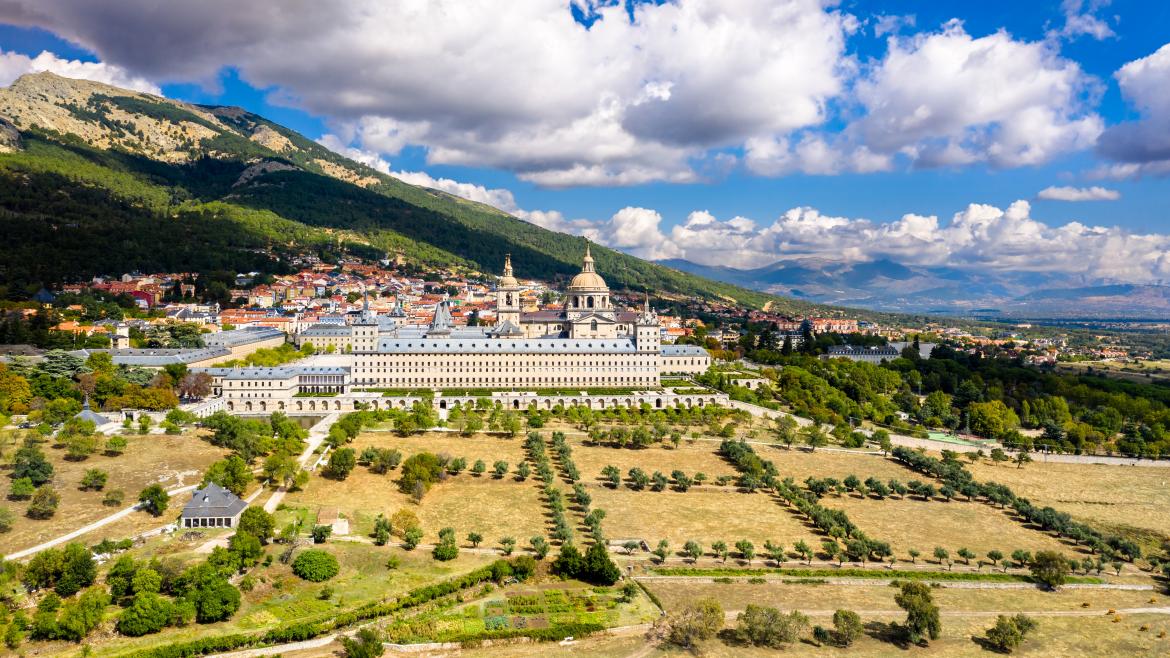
(279, 372)
(849, 350)
(506, 328)
(235, 337)
(683, 350)
(442, 323)
(213, 501)
(401, 345)
(327, 330)
(158, 358)
(89, 414)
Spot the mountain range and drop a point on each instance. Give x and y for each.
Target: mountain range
(887, 285)
(100, 180)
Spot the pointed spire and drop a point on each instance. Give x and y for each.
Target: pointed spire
(507, 264)
(646, 304)
(587, 263)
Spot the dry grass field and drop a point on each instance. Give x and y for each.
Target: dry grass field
(705, 514)
(171, 460)
(877, 597)
(800, 464)
(494, 508)
(1108, 495)
(691, 458)
(912, 523)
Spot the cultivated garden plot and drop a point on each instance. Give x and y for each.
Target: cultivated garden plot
(1108, 495)
(910, 523)
(170, 460)
(704, 514)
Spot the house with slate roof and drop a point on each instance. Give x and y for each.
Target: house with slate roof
(212, 507)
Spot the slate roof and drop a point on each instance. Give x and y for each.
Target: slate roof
(683, 350)
(235, 337)
(159, 357)
(213, 501)
(402, 345)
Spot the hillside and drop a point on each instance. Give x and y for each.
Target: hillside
(107, 180)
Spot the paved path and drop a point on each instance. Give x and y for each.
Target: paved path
(89, 528)
(317, 434)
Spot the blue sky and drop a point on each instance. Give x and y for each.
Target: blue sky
(692, 129)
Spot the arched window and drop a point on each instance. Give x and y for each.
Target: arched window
(589, 302)
(508, 299)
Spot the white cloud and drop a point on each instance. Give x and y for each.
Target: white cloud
(14, 65)
(528, 89)
(1079, 20)
(368, 158)
(950, 99)
(885, 24)
(1144, 144)
(980, 236)
(1094, 193)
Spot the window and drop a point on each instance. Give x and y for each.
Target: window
(593, 325)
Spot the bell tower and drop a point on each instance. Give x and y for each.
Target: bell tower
(508, 296)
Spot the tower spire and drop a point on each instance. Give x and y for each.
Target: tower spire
(587, 262)
(507, 264)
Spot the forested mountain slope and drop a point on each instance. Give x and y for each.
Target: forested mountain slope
(96, 179)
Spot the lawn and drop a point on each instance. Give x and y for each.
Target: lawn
(705, 514)
(1095, 493)
(494, 508)
(172, 460)
(914, 524)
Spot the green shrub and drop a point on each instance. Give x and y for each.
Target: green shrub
(315, 565)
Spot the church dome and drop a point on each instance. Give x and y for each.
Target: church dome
(588, 279)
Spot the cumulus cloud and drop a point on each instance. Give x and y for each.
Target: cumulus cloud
(980, 236)
(14, 65)
(1095, 193)
(1144, 144)
(948, 98)
(368, 158)
(623, 101)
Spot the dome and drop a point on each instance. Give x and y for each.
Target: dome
(588, 279)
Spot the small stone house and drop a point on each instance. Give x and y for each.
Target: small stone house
(212, 507)
(332, 517)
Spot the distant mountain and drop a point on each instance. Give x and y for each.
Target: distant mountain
(886, 285)
(98, 180)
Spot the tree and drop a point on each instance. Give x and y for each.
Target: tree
(662, 551)
(149, 613)
(44, 503)
(1049, 568)
(507, 545)
(382, 530)
(258, 523)
(411, 538)
(698, 621)
(366, 643)
(115, 445)
(419, 472)
(1021, 557)
(21, 489)
(814, 436)
(803, 550)
(847, 627)
(747, 550)
(232, 473)
(630, 546)
(154, 499)
(693, 550)
(767, 627)
(500, 469)
(599, 568)
(994, 556)
(539, 546)
(1022, 457)
(446, 549)
(7, 518)
(775, 551)
(475, 539)
(923, 621)
(1009, 632)
(320, 533)
(341, 463)
(967, 555)
(315, 565)
(941, 554)
(29, 462)
(94, 479)
(478, 467)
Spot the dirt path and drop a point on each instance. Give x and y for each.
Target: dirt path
(947, 584)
